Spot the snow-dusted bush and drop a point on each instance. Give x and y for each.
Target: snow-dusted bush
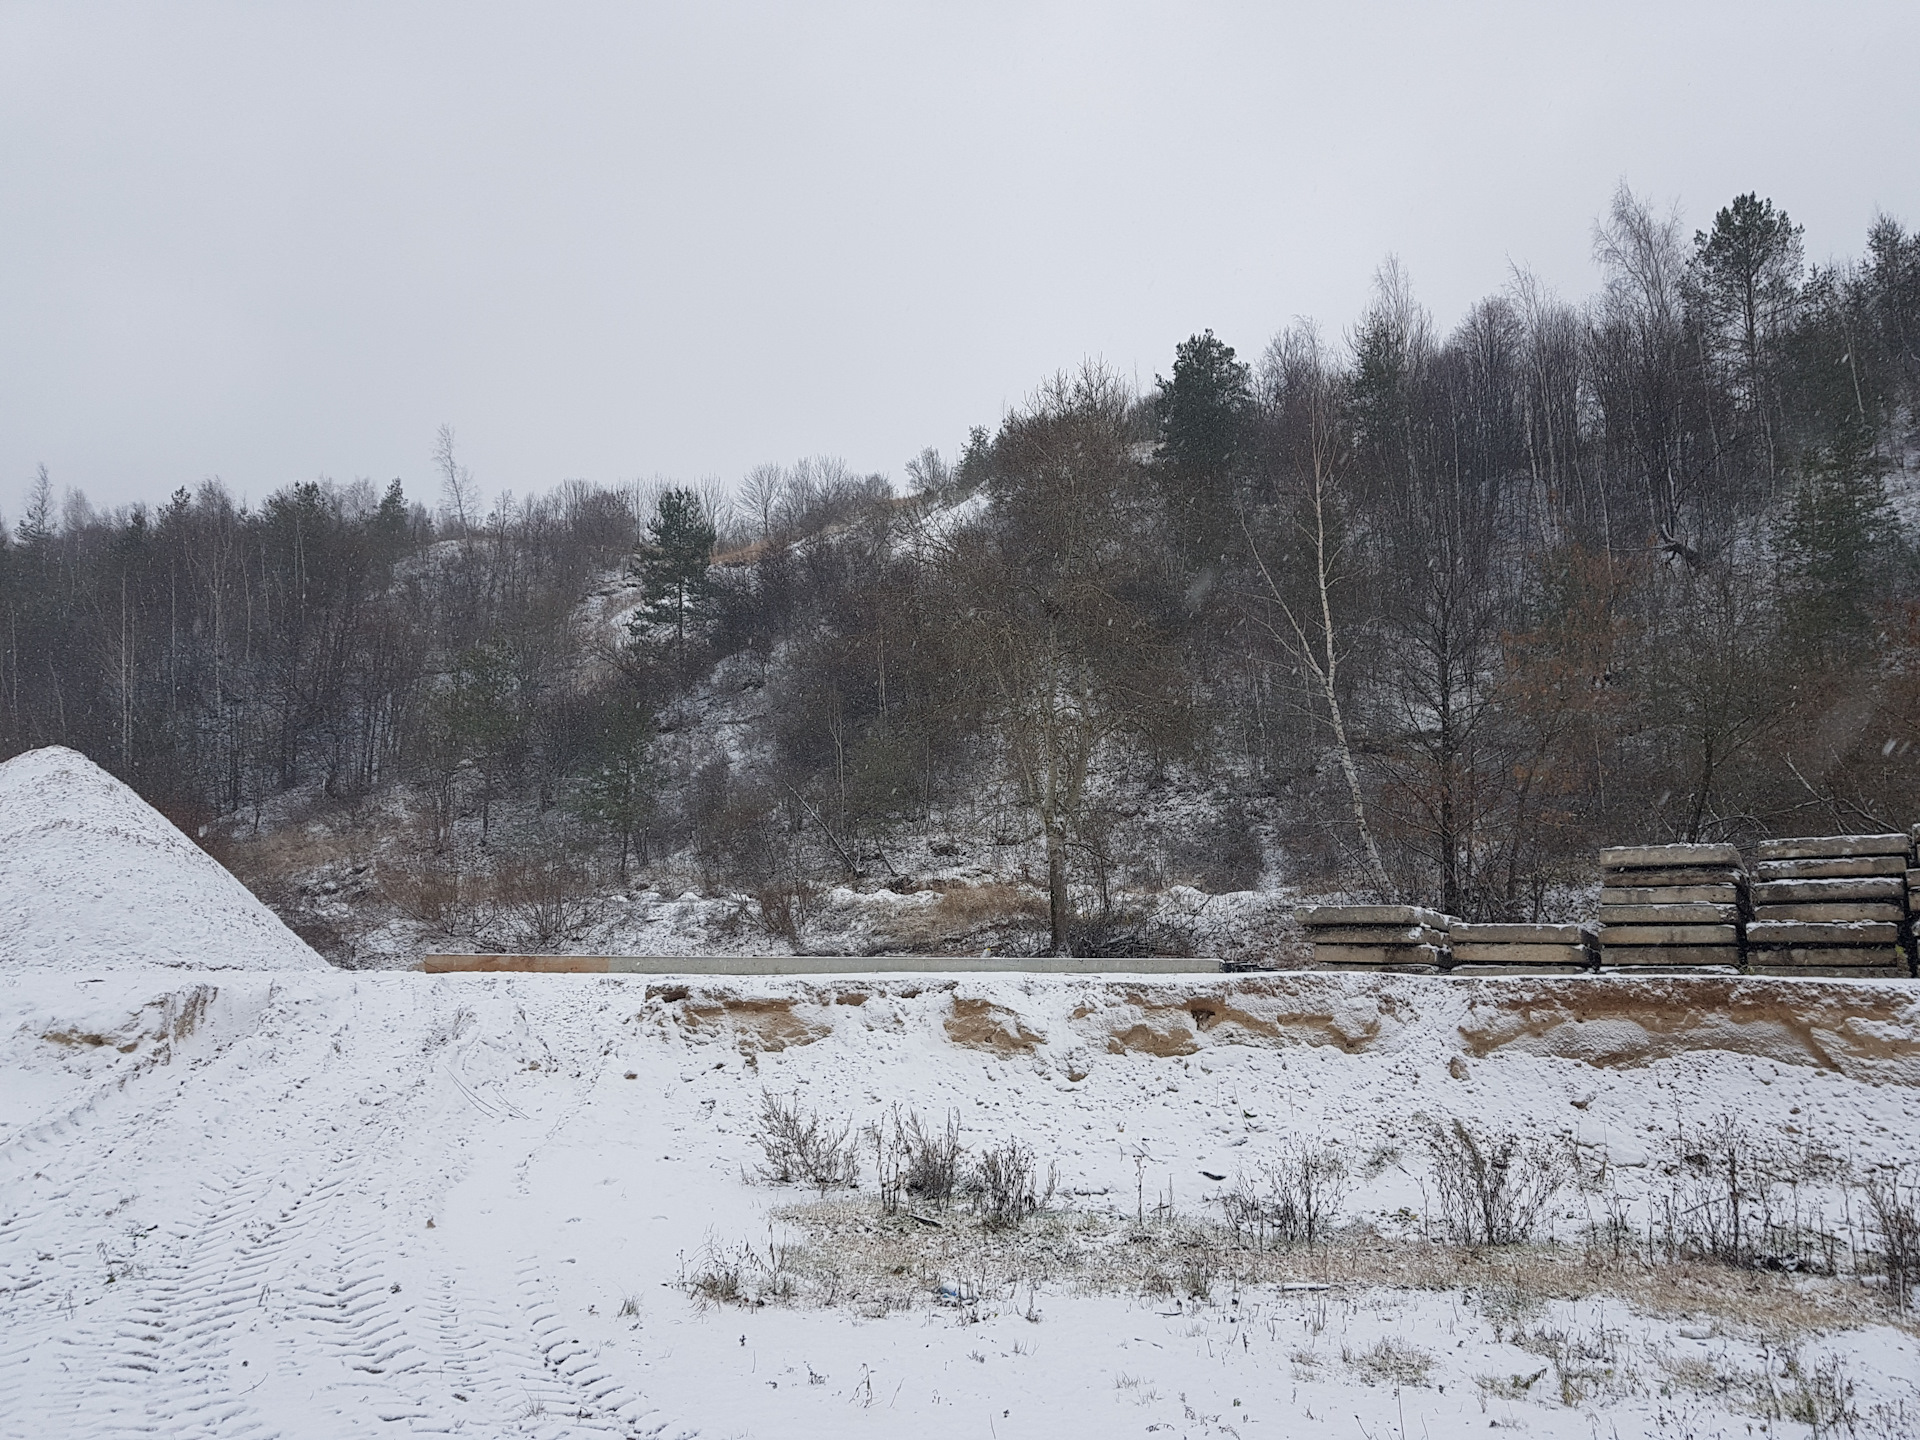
(1494, 1187)
(801, 1147)
(1295, 1198)
(1006, 1184)
(1745, 1197)
(913, 1160)
(1895, 1211)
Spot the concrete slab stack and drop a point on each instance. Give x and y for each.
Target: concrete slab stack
(1913, 904)
(1409, 939)
(1522, 949)
(1831, 905)
(1671, 907)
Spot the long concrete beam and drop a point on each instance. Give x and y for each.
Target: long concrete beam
(812, 965)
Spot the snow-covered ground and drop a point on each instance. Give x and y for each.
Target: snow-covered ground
(326, 1204)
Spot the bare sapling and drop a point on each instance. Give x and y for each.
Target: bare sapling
(1006, 1187)
(1894, 1208)
(800, 1147)
(1309, 634)
(1494, 1187)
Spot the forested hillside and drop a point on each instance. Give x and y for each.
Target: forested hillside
(1379, 611)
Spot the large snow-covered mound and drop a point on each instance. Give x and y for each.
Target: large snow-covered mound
(93, 877)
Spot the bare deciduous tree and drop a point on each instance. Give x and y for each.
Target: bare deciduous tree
(1301, 387)
(1058, 596)
(456, 482)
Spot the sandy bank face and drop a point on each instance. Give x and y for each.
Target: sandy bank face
(1867, 1031)
(92, 877)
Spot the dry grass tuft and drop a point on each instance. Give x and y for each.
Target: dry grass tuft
(966, 916)
(854, 1253)
(1390, 1361)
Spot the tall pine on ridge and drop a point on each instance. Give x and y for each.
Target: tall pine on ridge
(674, 563)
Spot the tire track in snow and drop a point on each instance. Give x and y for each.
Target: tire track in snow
(135, 1365)
(269, 1301)
(377, 1357)
(595, 1398)
(484, 1360)
(237, 1261)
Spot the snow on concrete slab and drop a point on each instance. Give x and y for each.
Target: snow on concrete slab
(94, 878)
(320, 1205)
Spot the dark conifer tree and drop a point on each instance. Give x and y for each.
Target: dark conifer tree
(673, 567)
(1746, 273)
(1203, 412)
(1837, 537)
(392, 521)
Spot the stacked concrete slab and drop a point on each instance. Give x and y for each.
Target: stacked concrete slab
(1913, 905)
(1521, 949)
(1405, 938)
(1831, 905)
(1671, 907)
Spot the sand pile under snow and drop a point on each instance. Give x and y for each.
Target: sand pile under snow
(92, 877)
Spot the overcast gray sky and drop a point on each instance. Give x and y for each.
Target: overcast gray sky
(270, 242)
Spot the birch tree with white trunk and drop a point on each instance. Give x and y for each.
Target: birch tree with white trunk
(1302, 388)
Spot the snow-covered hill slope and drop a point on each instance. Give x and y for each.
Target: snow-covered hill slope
(339, 1205)
(92, 877)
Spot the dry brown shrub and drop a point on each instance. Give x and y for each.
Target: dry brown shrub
(967, 914)
(1493, 1187)
(545, 898)
(915, 1159)
(1895, 1211)
(435, 894)
(268, 862)
(272, 866)
(1006, 1185)
(786, 905)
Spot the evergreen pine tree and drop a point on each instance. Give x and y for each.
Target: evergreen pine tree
(1203, 412)
(620, 794)
(673, 565)
(1203, 406)
(1746, 273)
(1748, 268)
(1835, 544)
(392, 515)
(37, 524)
(391, 521)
